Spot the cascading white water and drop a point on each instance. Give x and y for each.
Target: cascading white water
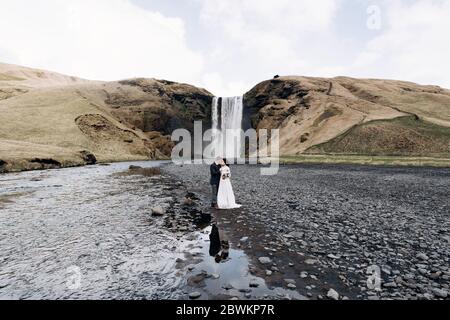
(227, 136)
(215, 119)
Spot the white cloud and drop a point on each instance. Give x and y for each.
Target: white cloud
(217, 84)
(101, 39)
(238, 42)
(257, 39)
(413, 44)
(282, 16)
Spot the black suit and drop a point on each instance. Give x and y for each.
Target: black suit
(215, 182)
(215, 175)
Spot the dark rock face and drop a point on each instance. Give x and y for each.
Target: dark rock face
(160, 105)
(274, 92)
(266, 91)
(88, 157)
(2, 166)
(47, 163)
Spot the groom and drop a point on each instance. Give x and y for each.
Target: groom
(215, 181)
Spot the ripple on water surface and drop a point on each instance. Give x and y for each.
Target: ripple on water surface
(85, 233)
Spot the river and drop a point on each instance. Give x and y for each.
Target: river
(88, 233)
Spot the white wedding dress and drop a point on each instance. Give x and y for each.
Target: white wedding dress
(225, 198)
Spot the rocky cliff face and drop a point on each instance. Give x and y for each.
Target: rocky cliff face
(158, 105)
(66, 121)
(312, 112)
(157, 108)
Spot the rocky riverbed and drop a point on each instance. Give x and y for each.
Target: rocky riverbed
(119, 231)
(339, 232)
(145, 231)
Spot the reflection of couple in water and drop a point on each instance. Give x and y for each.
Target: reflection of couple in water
(218, 249)
(222, 190)
(222, 198)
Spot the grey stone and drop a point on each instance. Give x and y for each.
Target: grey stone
(440, 293)
(291, 281)
(158, 211)
(265, 260)
(333, 294)
(291, 286)
(422, 256)
(297, 235)
(194, 295)
(311, 261)
(390, 285)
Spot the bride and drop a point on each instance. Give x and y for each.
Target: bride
(225, 197)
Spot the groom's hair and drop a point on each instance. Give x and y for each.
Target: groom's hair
(219, 159)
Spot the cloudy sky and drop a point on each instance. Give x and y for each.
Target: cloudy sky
(229, 46)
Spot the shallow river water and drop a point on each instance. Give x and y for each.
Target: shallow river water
(87, 233)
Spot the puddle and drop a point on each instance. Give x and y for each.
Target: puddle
(229, 277)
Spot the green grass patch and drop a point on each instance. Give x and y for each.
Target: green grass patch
(368, 160)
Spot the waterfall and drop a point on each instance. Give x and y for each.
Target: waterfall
(215, 118)
(227, 126)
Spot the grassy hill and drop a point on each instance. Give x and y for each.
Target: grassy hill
(353, 116)
(51, 120)
(405, 136)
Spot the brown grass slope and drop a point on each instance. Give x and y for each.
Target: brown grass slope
(51, 120)
(313, 111)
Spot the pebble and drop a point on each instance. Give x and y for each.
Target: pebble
(158, 211)
(390, 285)
(227, 286)
(327, 221)
(440, 293)
(290, 281)
(194, 295)
(332, 294)
(422, 256)
(191, 267)
(291, 286)
(265, 260)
